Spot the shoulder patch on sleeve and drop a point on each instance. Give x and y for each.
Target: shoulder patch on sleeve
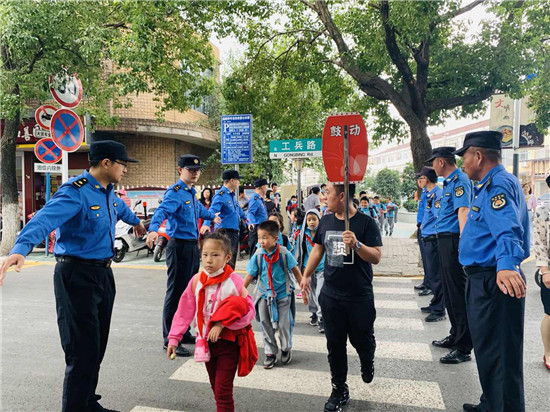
(80, 182)
(177, 187)
(459, 191)
(221, 192)
(498, 201)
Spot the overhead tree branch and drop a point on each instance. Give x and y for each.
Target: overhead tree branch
(39, 53)
(452, 102)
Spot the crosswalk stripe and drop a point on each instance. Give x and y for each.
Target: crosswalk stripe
(384, 349)
(381, 322)
(404, 392)
(396, 304)
(392, 279)
(148, 409)
(393, 291)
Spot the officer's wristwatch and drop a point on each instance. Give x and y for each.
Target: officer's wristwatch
(358, 245)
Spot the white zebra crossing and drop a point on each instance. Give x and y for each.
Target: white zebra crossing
(381, 322)
(148, 409)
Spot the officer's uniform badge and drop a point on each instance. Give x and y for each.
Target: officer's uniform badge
(498, 201)
(95, 207)
(177, 187)
(80, 182)
(437, 204)
(459, 191)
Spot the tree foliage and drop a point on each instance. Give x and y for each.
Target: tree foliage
(408, 181)
(387, 182)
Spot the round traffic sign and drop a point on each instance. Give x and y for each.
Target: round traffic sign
(66, 90)
(46, 151)
(67, 130)
(43, 115)
(333, 147)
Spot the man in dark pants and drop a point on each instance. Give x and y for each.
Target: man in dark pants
(455, 203)
(421, 181)
(347, 298)
(436, 308)
(84, 211)
(225, 202)
(183, 210)
(494, 242)
(257, 213)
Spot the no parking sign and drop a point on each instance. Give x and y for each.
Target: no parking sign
(67, 130)
(46, 151)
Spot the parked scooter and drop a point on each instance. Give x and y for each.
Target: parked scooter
(125, 241)
(161, 243)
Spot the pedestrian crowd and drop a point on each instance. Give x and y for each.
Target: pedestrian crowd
(472, 237)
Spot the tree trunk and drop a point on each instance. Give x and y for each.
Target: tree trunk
(8, 183)
(421, 147)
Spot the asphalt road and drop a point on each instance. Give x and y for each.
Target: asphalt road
(136, 376)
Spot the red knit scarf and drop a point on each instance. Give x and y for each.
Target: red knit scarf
(274, 258)
(207, 281)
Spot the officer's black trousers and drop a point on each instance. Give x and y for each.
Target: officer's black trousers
(253, 240)
(431, 270)
(496, 322)
(426, 281)
(182, 259)
(343, 318)
(84, 297)
(454, 286)
(234, 237)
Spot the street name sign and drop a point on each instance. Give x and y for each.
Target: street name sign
(295, 149)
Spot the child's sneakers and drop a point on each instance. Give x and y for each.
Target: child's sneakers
(314, 320)
(270, 361)
(321, 325)
(286, 357)
(338, 398)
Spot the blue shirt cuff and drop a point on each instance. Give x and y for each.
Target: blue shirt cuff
(507, 263)
(20, 249)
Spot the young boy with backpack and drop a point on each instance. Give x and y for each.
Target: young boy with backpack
(274, 300)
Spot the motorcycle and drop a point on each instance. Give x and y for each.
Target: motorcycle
(161, 242)
(243, 239)
(125, 241)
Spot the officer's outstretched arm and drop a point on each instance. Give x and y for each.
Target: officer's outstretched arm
(215, 207)
(15, 259)
(168, 207)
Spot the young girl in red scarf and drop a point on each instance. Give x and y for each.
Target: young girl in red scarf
(223, 311)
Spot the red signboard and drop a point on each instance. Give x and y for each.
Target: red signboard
(29, 132)
(333, 147)
(46, 151)
(67, 130)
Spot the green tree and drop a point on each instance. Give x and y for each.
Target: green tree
(408, 181)
(117, 48)
(387, 182)
(414, 55)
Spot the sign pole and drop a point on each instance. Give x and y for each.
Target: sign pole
(515, 136)
(346, 182)
(299, 170)
(64, 166)
(47, 199)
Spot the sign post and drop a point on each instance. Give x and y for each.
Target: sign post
(236, 139)
(298, 164)
(47, 200)
(346, 182)
(515, 136)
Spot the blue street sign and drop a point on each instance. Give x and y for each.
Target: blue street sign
(236, 139)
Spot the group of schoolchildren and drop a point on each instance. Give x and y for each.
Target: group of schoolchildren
(218, 303)
(384, 213)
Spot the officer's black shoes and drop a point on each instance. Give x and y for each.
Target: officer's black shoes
(313, 320)
(338, 398)
(434, 318)
(180, 351)
(425, 309)
(447, 343)
(286, 357)
(321, 326)
(420, 287)
(367, 371)
(470, 407)
(455, 356)
(425, 292)
(188, 338)
(270, 361)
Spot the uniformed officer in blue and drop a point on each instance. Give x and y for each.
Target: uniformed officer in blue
(494, 242)
(84, 212)
(421, 181)
(182, 209)
(436, 308)
(455, 203)
(257, 213)
(226, 203)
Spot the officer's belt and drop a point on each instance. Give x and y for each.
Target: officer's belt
(471, 270)
(429, 237)
(91, 262)
(184, 240)
(230, 230)
(447, 234)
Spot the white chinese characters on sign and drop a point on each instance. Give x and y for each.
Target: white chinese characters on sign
(336, 131)
(298, 145)
(310, 145)
(354, 130)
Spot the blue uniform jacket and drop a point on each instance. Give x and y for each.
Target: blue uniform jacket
(432, 210)
(421, 206)
(497, 230)
(257, 212)
(224, 201)
(457, 193)
(84, 215)
(183, 210)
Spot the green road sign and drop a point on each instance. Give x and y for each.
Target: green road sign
(295, 149)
